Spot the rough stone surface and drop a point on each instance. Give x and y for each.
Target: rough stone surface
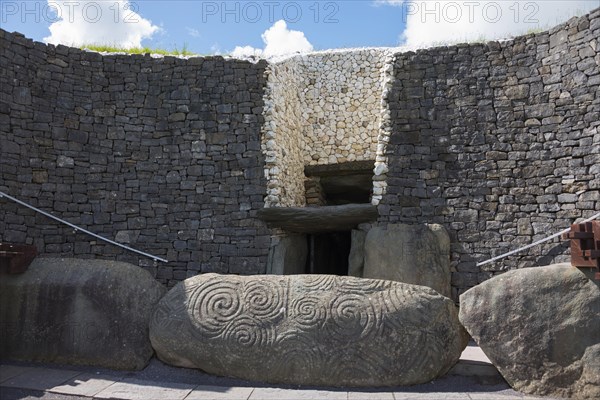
(318, 219)
(416, 254)
(308, 330)
(72, 311)
(356, 259)
(541, 328)
(288, 255)
(498, 142)
(160, 153)
(321, 108)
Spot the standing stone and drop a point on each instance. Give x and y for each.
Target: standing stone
(416, 254)
(308, 329)
(70, 311)
(288, 256)
(356, 259)
(541, 328)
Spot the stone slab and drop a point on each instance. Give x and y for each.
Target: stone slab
(431, 396)
(366, 395)
(308, 330)
(288, 256)
(86, 384)
(415, 254)
(40, 378)
(220, 393)
(318, 219)
(10, 371)
(136, 389)
(296, 394)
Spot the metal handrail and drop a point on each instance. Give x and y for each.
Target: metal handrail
(77, 228)
(535, 243)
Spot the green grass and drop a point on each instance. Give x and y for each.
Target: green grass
(103, 48)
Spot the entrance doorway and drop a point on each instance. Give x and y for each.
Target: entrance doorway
(328, 253)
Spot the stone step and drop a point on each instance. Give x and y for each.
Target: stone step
(474, 363)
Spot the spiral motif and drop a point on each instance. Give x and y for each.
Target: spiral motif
(264, 301)
(353, 316)
(170, 315)
(352, 367)
(308, 312)
(214, 304)
(362, 286)
(297, 355)
(319, 282)
(248, 332)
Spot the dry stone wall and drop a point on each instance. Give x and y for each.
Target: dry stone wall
(499, 143)
(162, 154)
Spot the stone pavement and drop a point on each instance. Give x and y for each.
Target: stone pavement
(158, 381)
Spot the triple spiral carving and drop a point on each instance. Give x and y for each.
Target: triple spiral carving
(324, 328)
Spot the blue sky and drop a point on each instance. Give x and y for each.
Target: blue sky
(207, 27)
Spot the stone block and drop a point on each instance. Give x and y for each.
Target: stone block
(415, 254)
(288, 255)
(308, 330)
(71, 311)
(541, 328)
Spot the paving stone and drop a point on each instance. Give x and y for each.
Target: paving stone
(220, 393)
(40, 378)
(366, 395)
(10, 371)
(495, 396)
(430, 396)
(298, 394)
(136, 389)
(86, 384)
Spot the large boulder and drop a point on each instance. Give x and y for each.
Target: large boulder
(417, 254)
(541, 328)
(72, 311)
(308, 329)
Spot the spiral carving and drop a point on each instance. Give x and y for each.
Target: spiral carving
(214, 304)
(339, 367)
(361, 286)
(248, 332)
(308, 312)
(297, 352)
(264, 301)
(317, 330)
(319, 282)
(353, 316)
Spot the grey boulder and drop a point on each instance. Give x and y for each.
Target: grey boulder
(73, 311)
(417, 254)
(541, 328)
(308, 329)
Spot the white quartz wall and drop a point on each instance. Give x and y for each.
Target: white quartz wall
(282, 141)
(323, 108)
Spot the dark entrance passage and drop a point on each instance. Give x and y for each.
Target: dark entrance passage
(328, 253)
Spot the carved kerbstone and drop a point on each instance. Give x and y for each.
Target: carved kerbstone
(308, 329)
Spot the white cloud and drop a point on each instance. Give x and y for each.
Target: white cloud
(192, 32)
(278, 40)
(246, 51)
(438, 22)
(114, 23)
(215, 49)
